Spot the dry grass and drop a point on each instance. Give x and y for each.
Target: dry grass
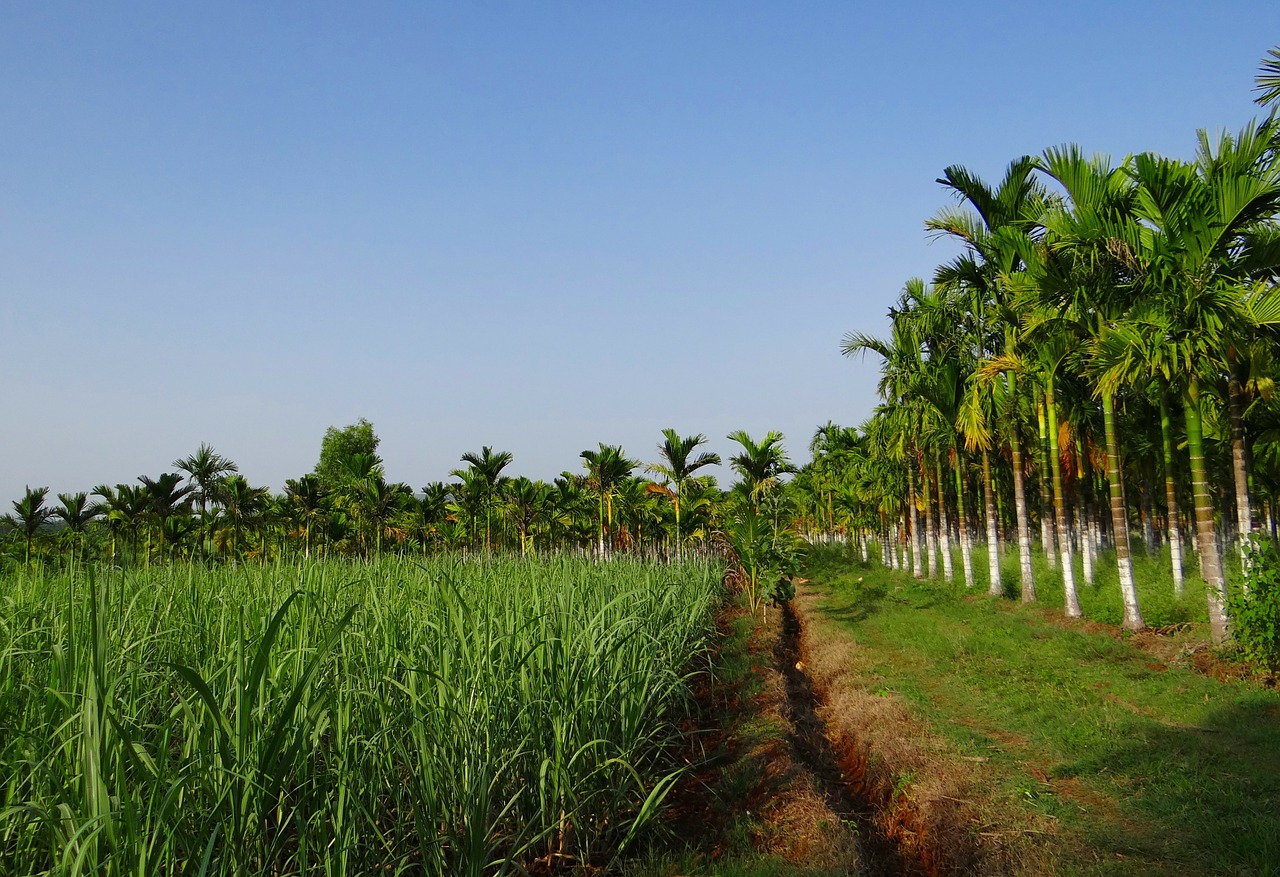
(929, 799)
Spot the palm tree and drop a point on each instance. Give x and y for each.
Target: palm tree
(76, 512)
(1268, 79)
(242, 507)
(309, 499)
(167, 499)
(1086, 284)
(996, 226)
(205, 468)
(760, 464)
(606, 468)
(1190, 252)
(526, 504)
(485, 471)
(677, 467)
(29, 515)
(127, 507)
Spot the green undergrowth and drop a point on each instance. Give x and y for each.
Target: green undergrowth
(1140, 767)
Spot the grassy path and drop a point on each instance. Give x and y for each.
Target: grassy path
(1111, 762)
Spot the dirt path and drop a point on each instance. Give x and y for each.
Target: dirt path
(881, 855)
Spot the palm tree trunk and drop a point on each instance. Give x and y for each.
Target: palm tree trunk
(944, 529)
(917, 539)
(1083, 511)
(1171, 497)
(930, 536)
(1239, 465)
(1071, 601)
(1046, 508)
(995, 587)
(1120, 518)
(965, 547)
(1210, 561)
(1020, 503)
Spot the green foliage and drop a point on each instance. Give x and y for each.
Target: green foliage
(338, 455)
(1255, 613)
(341, 718)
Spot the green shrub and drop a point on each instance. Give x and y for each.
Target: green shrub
(1255, 612)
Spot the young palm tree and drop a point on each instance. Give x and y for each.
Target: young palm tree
(242, 507)
(679, 465)
(526, 504)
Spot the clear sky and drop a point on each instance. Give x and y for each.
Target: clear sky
(536, 226)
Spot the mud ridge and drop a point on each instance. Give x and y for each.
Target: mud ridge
(839, 775)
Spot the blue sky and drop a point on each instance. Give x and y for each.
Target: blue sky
(536, 226)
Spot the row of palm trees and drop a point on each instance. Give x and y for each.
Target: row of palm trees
(207, 510)
(1107, 327)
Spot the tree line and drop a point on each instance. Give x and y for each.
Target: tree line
(206, 510)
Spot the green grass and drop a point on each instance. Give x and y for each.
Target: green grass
(1151, 769)
(340, 718)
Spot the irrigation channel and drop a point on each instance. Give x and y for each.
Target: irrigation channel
(840, 772)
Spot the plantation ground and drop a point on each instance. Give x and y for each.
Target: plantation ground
(1059, 747)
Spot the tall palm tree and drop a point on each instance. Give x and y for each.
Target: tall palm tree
(76, 511)
(1189, 251)
(168, 497)
(242, 507)
(485, 469)
(29, 516)
(1087, 286)
(606, 468)
(679, 465)
(996, 224)
(308, 497)
(205, 468)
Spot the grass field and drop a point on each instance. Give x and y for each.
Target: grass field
(1130, 764)
(341, 718)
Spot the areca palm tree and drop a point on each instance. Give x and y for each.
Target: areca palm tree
(996, 224)
(127, 507)
(1086, 285)
(1190, 252)
(606, 468)
(168, 497)
(242, 507)
(761, 463)
(76, 511)
(205, 468)
(29, 515)
(308, 497)
(679, 465)
(525, 503)
(486, 470)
